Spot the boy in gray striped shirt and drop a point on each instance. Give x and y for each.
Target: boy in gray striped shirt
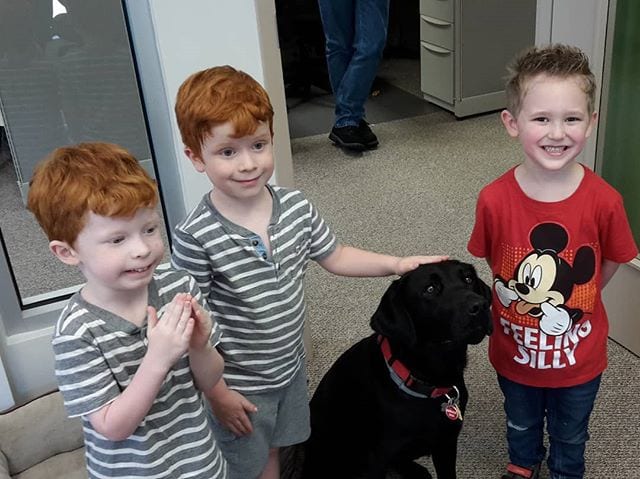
(134, 348)
(248, 244)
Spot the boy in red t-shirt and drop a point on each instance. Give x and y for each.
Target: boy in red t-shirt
(553, 233)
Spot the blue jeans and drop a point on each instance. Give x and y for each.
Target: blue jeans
(356, 34)
(567, 411)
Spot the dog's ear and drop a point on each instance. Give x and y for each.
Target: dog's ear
(391, 319)
(479, 286)
(483, 290)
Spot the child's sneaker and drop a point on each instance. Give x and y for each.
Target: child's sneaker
(519, 472)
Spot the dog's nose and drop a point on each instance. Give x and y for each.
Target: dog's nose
(477, 307)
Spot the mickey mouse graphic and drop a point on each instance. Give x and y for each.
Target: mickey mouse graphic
(543, 282)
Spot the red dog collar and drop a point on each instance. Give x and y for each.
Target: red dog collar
(408, 379)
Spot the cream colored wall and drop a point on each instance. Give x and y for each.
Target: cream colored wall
(622, 301)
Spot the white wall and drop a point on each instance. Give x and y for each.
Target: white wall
(6, 396)
(188, 43)
(28, 361)
(191, 35)
(581, 23)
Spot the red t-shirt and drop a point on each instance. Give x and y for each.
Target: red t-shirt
(550, 326)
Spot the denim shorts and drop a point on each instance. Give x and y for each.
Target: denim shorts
(282, 420)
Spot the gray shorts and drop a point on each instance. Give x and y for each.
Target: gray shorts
(282, 420)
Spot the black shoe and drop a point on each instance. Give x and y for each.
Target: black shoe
(350, 137)
(369, 138)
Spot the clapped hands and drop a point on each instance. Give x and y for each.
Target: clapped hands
(184, 325)
(169, 337)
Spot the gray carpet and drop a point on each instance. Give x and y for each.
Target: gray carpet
(416, 194)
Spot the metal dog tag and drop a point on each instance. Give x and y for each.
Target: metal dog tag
(451, 408)
(452, 411)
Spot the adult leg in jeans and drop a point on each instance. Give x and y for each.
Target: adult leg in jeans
(525, 409)
(356, 34)
(568, 412)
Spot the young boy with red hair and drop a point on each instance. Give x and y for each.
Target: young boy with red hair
(248, 245)
(136, 345)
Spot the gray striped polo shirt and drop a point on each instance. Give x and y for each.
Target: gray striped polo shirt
(257, 298)
(96, 356)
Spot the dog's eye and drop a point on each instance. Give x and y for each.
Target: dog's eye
(431, 289)
(468, 279)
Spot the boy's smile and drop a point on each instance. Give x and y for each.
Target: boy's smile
(238, 168)
(553, 123)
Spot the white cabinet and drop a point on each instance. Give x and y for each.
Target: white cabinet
(465, 48)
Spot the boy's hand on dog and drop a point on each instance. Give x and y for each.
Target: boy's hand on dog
(232, 410)
(409, 263)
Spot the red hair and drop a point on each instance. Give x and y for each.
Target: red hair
(219, 95)
(99, 177)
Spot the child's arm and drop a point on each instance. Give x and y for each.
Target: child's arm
(607, 271)
(350, 261)
(168, 341)
(205, 360)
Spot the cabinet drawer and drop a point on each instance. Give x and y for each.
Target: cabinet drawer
(436, 31)
(441, 9)
(436, 71)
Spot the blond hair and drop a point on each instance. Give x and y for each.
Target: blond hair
(557, 60)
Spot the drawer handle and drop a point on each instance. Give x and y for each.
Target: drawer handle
(435, 21)
(435, 49)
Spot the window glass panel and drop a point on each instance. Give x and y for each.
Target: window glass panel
(66, 76)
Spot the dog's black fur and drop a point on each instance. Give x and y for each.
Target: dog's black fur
(362, 423)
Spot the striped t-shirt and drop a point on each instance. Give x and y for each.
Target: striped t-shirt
(256, 297)
(97, 354)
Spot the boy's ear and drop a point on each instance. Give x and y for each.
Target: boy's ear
(196, 160)
(64, 252)
(510, 123)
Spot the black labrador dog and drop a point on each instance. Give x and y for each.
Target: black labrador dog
(399, 394)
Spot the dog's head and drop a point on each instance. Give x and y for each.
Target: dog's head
(439, 304)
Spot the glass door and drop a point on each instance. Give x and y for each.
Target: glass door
(66, 76)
